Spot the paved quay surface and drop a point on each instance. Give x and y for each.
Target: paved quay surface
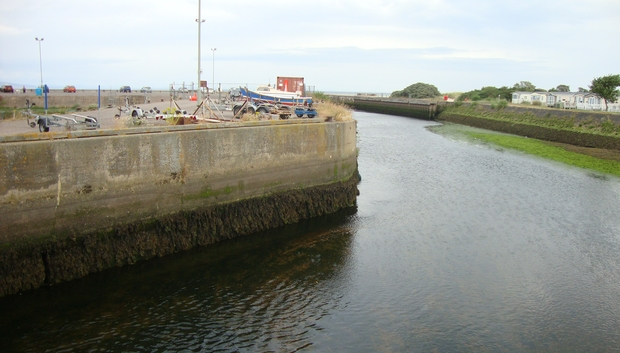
(106, 116)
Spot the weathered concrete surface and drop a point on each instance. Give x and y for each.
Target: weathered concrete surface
(417, 108)
(58, 191)
(32, 265)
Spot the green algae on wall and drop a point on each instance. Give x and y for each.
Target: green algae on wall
(32, 265)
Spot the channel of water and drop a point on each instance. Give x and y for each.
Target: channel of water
(453, 246)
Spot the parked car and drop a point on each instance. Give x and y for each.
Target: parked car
(7, 89)
(69, 89)
(146, 89)
(125, 89)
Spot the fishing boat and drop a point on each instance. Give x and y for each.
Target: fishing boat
(268, 94)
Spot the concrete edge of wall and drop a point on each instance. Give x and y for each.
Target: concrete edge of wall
(60, 135)
(418, 110)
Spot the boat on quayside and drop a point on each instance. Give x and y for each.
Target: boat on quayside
(268, 94)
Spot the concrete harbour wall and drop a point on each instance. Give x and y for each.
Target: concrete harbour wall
(80, 202)
(413, 108)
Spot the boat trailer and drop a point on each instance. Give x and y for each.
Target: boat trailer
(76, 122)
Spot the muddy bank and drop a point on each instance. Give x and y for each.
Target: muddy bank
(30, 266)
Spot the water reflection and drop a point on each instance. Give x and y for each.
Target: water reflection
(267, 292)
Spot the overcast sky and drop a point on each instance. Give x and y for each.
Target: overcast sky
(336, 45)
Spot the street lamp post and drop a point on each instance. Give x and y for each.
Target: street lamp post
(199, 90)
(213, 73)
(40, 61)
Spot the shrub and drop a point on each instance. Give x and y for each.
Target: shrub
(92, 107)
(418, 90)
(537, 103)
(609, 127)
(336, 111)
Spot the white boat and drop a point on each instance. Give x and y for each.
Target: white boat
(272, 91)
(268, 94)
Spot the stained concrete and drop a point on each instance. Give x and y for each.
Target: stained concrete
(72, 184)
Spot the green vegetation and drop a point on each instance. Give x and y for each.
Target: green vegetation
(607, 88)
(497, 112)
(335, 111)
(319, 96)
(499, 105)
(453, 95)
(490, 93)
(603, 86)
(560, 88)
(487, 93)
(418, 90)
(545, 150)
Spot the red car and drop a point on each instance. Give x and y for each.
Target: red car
(70, 89)
(7, 89)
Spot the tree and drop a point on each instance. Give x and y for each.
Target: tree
(606, 87)
(583, 90)
(525, 86)
(562, 88)
(418, 90)
(488, 93)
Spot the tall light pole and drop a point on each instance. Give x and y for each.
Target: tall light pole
(213, 77)
(199, 91)
(40, 61)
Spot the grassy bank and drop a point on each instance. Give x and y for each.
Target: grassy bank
(573, 127)
(595, 159)
(546, 150)
(598, 123)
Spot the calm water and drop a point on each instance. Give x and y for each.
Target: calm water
(454, 246)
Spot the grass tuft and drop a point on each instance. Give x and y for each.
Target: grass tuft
(335, 111)
(250, 117)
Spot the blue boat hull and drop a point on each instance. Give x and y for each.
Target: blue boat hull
(265, 98)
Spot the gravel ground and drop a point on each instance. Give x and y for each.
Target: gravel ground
(106, 116)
